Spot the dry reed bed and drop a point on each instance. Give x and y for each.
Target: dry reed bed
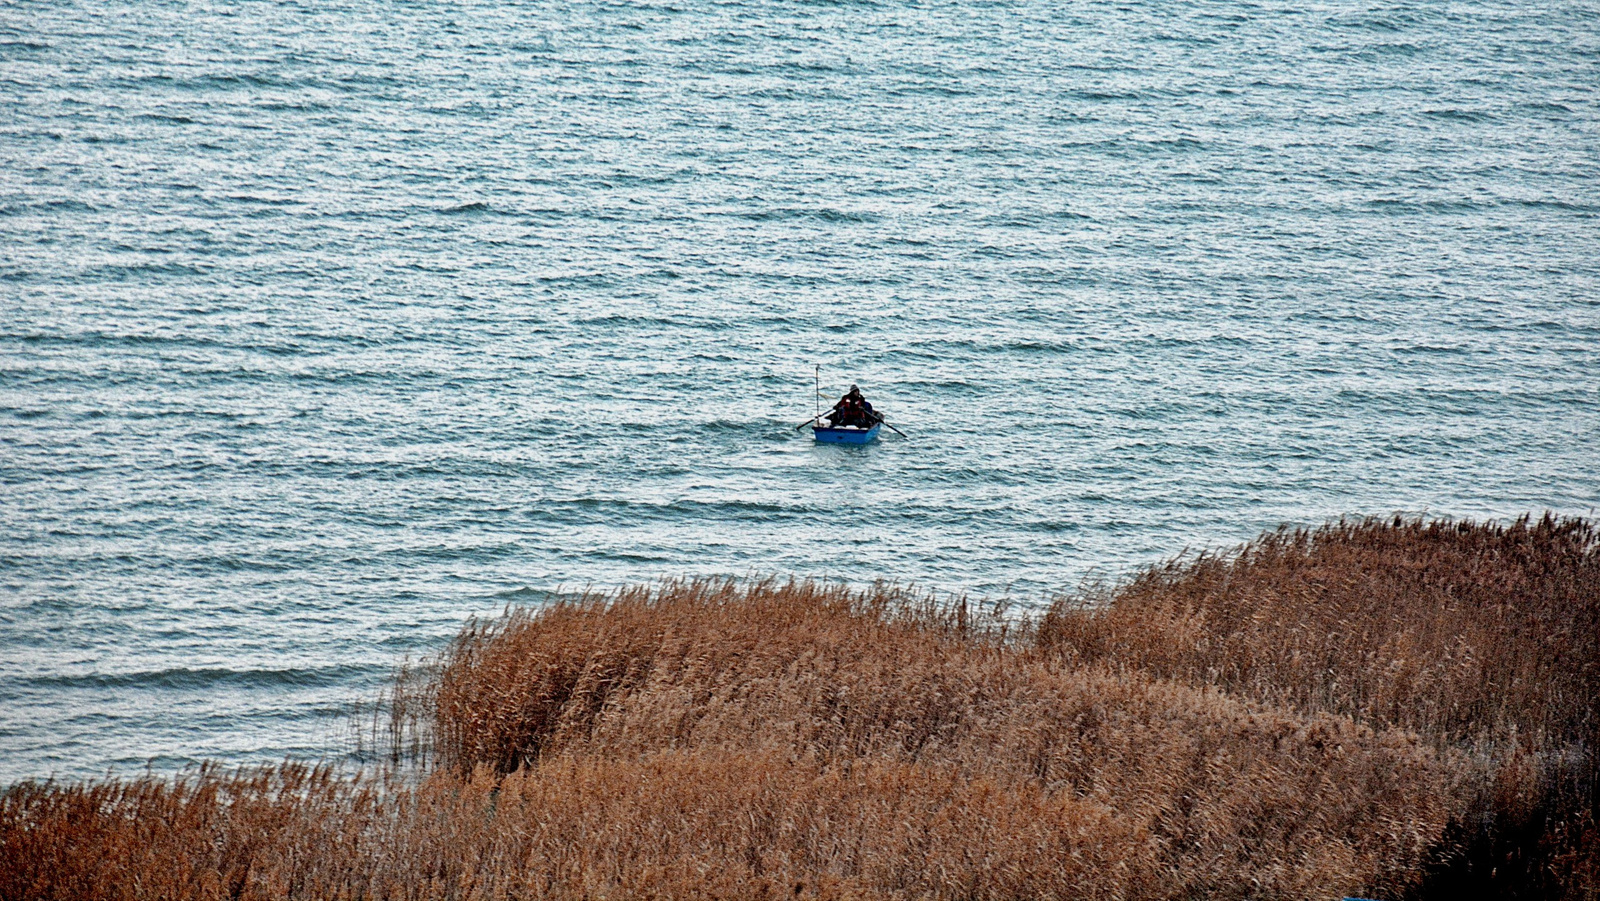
(1459, 631)
(1284, 722)
(1479, 638)
(1208, 792)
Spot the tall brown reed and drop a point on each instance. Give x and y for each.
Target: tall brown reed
(1223, 794)
(1479, 637)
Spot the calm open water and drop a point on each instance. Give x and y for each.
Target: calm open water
(326, 325)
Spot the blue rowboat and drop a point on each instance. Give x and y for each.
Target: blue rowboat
(844, 434)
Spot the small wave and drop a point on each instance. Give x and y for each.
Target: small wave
(1434, 349)
(625, 557)
(578, 280)
(186, 678)
(276, 106)
(1010, 220)
(621, 319)
(810, 67)
(1380, 51)
(264, 201)
(1458, 115)
(448, 553)
(1105, 95)
(368, 78)
(468, 209)
(1042, 347)
(1187, 39)
(132, 272)
(686, 509)
(528, 595)
(936, 89)
(1551, 203)
(1397, 205)
(732, 507)
(1181, 142)
(1393, 22)
(821, 214)
(243, 79)
(1053, 527)
(103, 339)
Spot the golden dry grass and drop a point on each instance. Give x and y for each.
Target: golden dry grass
(1458, 631)
(1480, 638)
(1207, 792)
(1357, 710)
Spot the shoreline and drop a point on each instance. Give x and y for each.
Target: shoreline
(1377, 708)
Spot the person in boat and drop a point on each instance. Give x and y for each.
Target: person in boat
(853, 410)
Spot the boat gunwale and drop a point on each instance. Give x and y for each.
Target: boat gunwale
(845, 434)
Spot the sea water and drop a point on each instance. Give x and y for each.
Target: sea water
(327, 325)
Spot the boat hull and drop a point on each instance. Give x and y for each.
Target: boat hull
(825, 435)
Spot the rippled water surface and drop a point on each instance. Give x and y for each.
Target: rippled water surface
(326, 325)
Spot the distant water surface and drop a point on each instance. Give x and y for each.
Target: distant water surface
(324, 326)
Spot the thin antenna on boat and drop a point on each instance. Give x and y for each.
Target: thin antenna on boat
(816, 396)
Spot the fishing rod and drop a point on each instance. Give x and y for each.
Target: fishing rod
(816, 399)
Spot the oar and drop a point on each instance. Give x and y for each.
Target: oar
(806, 423)
(895, 430)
